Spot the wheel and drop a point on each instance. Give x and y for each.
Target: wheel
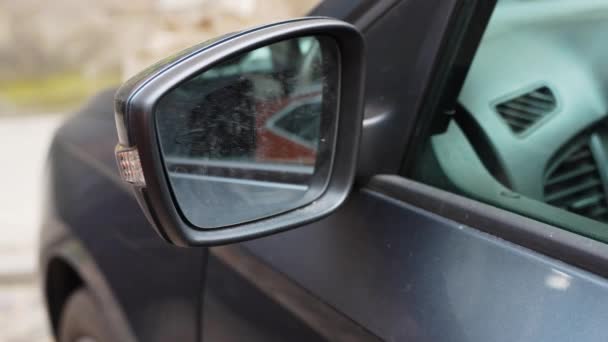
(83, 320)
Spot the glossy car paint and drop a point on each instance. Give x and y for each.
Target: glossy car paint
(377, 269)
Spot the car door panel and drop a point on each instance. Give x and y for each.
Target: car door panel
(408, 274)
(404, 264)
(401, 68)
(248, 297)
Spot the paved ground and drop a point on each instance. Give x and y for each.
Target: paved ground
(21, 313)
(23, 145)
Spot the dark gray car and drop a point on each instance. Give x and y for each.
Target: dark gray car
(436, 170)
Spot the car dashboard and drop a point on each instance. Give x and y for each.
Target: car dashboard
(531, 133)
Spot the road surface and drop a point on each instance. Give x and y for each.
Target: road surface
(24, 141)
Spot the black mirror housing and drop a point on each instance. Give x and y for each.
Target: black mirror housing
(143, 164)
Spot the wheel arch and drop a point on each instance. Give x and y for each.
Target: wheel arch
(61, 280)
(65, 267)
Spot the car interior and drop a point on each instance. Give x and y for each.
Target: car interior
(530, 133)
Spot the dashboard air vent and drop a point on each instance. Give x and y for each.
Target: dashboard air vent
(574, 184)
(523, 111)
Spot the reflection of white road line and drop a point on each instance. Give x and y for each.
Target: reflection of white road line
(239, 181)
(248, 165)
(24, 142)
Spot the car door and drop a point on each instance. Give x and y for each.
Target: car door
(441, 239)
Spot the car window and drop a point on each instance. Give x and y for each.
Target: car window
(299, 124)
(530, 131)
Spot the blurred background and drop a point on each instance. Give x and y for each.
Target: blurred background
(54, 55)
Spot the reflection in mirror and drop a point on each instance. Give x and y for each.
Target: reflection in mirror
(251, 137)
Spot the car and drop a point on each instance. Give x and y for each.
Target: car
(428, 170)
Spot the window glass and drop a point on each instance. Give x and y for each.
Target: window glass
(530, 131)
(236, 135)
(299, 124)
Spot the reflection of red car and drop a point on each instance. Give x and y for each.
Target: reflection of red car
(288, 130)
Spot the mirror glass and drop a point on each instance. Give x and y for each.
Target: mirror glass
(252, 136)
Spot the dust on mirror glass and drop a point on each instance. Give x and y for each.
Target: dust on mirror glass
(251, 137)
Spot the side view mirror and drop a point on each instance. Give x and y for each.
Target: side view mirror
(246, 135)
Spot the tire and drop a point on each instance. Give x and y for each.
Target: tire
(83, 320)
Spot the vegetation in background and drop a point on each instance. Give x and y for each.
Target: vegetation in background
(52, 93)
(51, 59)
